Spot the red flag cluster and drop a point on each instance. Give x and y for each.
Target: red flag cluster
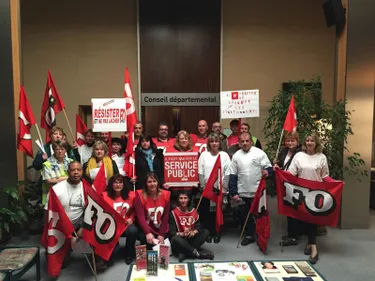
(102, 228)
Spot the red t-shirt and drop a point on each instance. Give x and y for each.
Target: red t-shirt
(164, 145)
(152, 214)
(185, 220)
(200, 143)
(124, 207)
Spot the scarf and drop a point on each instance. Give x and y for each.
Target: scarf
(107, 162)
(148, 156)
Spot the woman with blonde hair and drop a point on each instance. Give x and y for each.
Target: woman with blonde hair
(206, 163)
(311, 164)
(183, 142)
(99, 157)
(55, 169)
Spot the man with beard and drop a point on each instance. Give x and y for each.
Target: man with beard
(85, 151)
(163, 141)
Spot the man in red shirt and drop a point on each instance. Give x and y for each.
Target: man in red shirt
(200, 140)
(163, 141)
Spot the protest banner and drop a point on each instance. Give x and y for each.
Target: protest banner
(181, 168)
(108, 115)
(239, 104)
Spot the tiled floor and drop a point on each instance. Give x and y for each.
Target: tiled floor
(345, 255)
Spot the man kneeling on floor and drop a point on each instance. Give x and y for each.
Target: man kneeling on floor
(187, 235)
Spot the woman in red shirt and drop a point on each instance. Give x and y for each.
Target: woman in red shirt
(122, 201)
(152, 206)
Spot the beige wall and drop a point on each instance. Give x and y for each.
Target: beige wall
(86, 44)
(268, 42)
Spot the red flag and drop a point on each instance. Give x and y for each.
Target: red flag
(102, 224)
(52, 105)
(214, 191)
(131, 120)
(290, 123)
(80, 131)
(259, 208)
(57, 234)
(309, 201)
(26, 120)
(100, 181)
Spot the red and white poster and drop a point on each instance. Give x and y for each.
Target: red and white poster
(181, 168)
(309, 201)
(108, 115)
(239, 104)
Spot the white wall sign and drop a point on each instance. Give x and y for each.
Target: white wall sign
(180, 99)
(239, 104)
(108, 115)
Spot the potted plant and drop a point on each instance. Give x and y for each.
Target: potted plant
(330, 122)
(13, 216)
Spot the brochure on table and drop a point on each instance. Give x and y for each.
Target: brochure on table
(223, 271)
(286, 271)
(175, 272)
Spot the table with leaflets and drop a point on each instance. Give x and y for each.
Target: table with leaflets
(260, 270)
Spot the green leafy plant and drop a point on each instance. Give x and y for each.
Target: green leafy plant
(14, 215)
(330, 122)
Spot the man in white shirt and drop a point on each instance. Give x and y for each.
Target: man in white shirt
(71, 195)
(249, 165)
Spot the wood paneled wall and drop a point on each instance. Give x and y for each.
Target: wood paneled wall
(179, 53)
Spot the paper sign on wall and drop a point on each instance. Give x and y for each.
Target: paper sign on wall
(239, 104)
(108, 115)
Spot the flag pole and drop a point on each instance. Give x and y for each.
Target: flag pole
(39, 135)
(94, 264)
(281, 137)
(70, 127)
(199, 202)
(243, 228)
(87, 259)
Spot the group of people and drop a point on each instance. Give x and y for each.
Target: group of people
(155, 211)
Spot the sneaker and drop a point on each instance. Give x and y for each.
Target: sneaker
(209, 239)
(247, 240)
(181, 257)
(206, 255)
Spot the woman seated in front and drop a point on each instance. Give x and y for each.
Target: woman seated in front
(99, 157)
(186, 232)
(122, 201)
(152, 206)
(55, 169)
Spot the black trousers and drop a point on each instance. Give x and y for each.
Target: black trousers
(208, 218)
(310, 230)
(244, 209)
(294, 227)
(188, 245)
(131, 234)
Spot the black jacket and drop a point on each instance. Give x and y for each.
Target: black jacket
(142, 168)
(282, 155)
